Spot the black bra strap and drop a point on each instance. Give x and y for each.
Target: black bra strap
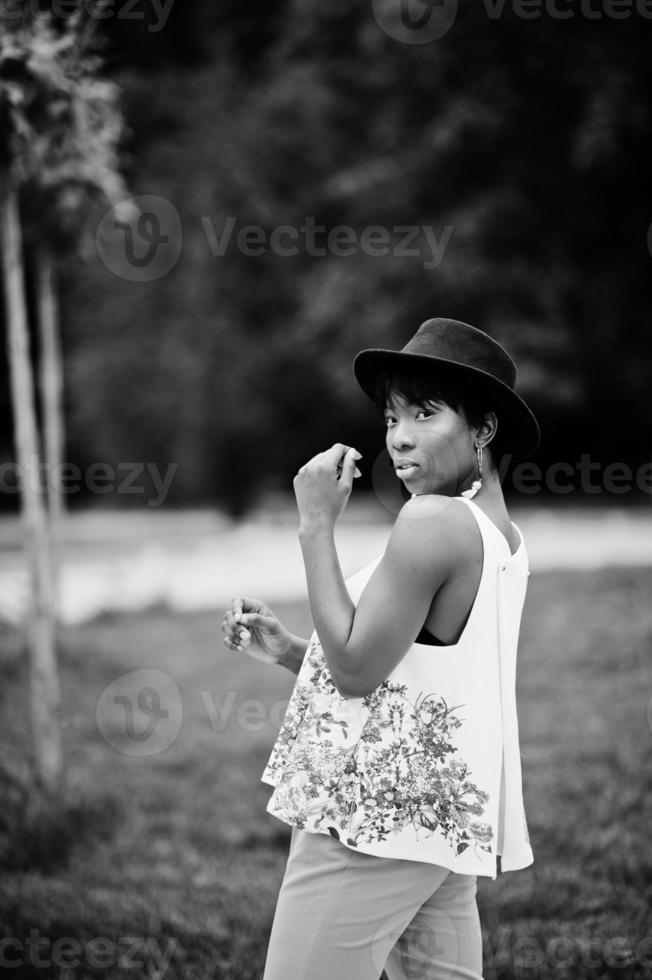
(428, 638)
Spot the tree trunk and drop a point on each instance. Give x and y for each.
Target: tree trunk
(51, 385)
(44, 680)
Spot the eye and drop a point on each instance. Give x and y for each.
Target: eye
(389, 420)
(426, 412)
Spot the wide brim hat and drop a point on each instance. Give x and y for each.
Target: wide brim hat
(462, 351)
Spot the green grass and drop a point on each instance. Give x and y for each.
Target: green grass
(176, 849)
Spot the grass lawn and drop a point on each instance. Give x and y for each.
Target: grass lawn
(167, 865)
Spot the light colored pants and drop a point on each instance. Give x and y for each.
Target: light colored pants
(341, 913)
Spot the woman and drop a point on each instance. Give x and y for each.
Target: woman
(398, 762)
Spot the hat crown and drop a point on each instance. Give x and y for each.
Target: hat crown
(463, 344)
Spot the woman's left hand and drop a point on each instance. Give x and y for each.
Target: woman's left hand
(323, 486)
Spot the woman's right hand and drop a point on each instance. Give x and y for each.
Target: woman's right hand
(250, 626)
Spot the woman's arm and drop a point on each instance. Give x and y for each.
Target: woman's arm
(363, 644)
(295, 654)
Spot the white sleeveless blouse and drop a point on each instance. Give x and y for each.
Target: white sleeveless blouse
(427, 766)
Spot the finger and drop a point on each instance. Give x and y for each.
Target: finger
(242, 639)
(231, 644)
(258, 621)
(349, 467)
(229, 623)
(333, 456)
(340, 452)
(234, 632)
(243, 605)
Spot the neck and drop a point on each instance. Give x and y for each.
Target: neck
(491, 491)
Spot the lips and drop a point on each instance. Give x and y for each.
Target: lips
(405, 467)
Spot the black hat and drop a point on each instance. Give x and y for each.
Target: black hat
(466, 352)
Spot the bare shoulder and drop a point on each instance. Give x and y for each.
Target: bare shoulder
(428, 505)
(440, 513)
(435, 528)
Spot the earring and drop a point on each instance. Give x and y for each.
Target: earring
(475, 486)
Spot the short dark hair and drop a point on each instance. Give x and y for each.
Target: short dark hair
(419, 384)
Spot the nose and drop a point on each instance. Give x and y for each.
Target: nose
(400, 436)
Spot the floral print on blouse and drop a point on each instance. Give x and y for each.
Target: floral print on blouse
(362, 769)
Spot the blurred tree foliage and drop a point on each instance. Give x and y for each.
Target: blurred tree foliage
(529, 139)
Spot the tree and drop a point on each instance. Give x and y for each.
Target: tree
(44, 681)
(61, 125)
(74, 170)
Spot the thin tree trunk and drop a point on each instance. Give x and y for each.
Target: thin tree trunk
(44, 680)
(51, 385)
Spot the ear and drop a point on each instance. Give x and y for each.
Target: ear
(488, 429)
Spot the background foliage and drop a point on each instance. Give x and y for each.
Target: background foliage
(531, 139)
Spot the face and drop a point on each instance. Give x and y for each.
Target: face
(431, 446)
